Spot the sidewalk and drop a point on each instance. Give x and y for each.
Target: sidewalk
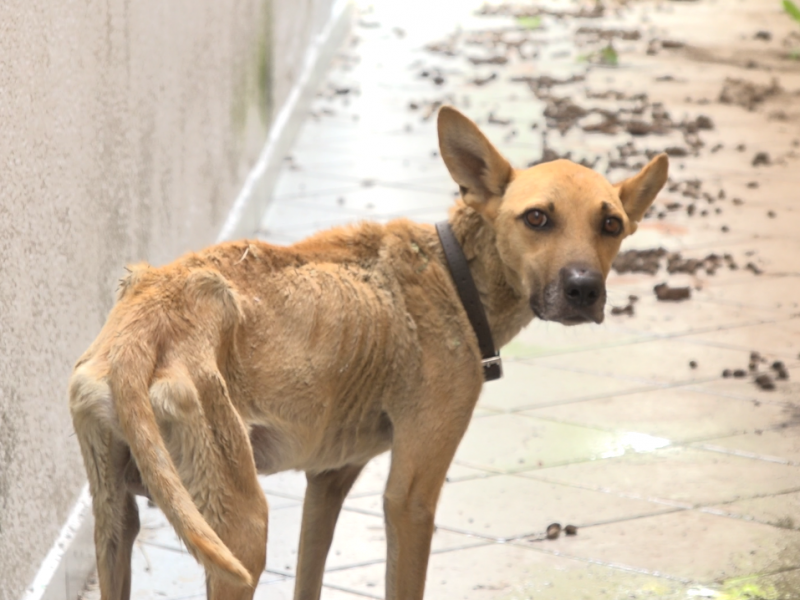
(682, 483)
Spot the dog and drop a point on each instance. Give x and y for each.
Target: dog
(249, 358)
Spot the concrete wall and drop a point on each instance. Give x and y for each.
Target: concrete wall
(296, 22)
(126, 131)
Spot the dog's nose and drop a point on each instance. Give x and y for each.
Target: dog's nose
(583, 286)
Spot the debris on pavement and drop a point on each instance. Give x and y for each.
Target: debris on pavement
(754, 268)
(764, 380)
(672, 294)
(762, 158)
(523, 11)
(639, 261)
(627, 309)
(747, 94)
(780, 370)
(649, 261)
(553, 531)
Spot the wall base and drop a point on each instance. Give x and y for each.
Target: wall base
(69, 563)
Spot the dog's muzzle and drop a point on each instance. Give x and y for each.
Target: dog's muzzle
(577, 295)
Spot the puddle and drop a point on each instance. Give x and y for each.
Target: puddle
(637, 442)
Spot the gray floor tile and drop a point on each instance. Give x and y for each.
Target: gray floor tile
(528, 385)
(512, 443)
(543, 338)
(779, 444)
(657, 361)
(781, 510)
(513, 572)
(687, 545)
(685, 476)
(359, 539)
(677, 414)
(505, 507)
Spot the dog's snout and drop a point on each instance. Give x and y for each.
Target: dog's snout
(583, 286)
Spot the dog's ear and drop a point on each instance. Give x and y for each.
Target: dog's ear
(638, 192)
(476, 166)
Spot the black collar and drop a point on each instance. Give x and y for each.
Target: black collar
(459, 269)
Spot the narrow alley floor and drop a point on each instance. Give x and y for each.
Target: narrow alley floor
(652, 433)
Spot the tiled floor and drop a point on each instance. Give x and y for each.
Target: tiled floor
(683, 484)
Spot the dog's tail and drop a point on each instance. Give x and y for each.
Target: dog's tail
(132, 367)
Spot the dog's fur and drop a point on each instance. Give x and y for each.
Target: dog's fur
(248, 358)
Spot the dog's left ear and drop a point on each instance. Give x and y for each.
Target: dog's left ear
(476, 166)
(638, 192)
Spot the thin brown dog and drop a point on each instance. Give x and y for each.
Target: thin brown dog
(249, 358)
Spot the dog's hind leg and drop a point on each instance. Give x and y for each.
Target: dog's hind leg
(210, 446)
(129, 514)
(106, 458)
(116, 517)
(116, 525)
(325, 494)
(244, 531)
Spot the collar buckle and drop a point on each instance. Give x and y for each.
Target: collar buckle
(492, 368)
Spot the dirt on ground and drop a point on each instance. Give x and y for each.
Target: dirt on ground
(610, 84)
(649, 111)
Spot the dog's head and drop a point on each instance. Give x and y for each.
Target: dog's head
(558, 225)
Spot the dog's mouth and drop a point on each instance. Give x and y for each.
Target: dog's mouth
(577, 320)
(572, 319)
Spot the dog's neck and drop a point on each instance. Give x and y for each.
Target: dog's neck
(507, 310)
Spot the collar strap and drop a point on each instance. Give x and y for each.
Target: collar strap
(465, 285)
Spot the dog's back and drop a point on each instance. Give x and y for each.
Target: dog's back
(304, 348)
(323, 354)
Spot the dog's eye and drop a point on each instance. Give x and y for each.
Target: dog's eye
(536, 219)
(612, 226)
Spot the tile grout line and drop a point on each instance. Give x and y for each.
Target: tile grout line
(608, 564)
(678, 506)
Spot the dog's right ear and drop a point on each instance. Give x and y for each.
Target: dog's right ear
(476, 166)
(638, 192)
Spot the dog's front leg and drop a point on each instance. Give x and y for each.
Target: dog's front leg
(325, 495)
(421, 455)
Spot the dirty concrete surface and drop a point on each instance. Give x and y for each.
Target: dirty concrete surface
(669, 436)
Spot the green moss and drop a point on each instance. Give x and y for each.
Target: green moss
(251, 94)
(264, 68)
(747, 589)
